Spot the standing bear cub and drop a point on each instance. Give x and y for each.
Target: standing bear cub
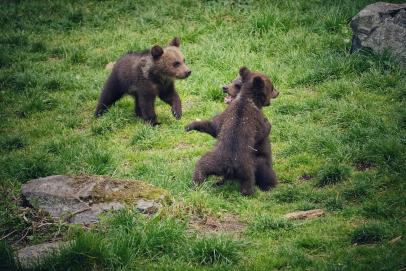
(265, 176)
(243, 150)
(146, 75)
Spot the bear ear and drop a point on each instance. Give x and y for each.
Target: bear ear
(244, 72)
(175, 42)
(258, 82)
(156, 51)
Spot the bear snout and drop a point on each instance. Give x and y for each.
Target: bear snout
(276, 94)
(188, 73)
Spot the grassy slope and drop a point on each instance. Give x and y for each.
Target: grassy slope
(340, 121)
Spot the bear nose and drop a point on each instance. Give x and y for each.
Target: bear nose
(225, 88)
(188, 73)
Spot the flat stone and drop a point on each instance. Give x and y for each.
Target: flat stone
(148, 206)
(304, 214)
(81, 199)
(91, 215)
(381, 27)
(30, 255)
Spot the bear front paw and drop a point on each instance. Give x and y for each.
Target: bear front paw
(189, 127)
(177, 114)
(153, 122)
(247, 191)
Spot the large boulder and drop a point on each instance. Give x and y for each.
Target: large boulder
(81, 199)
(381, 27)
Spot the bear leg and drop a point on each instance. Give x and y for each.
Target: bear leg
(247, 178)
(137, 108)
(265, 176)
(171, 97)
(146, 105)
(206, 166)
(110, 94)
(202, 126)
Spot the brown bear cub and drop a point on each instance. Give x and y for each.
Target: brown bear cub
(145, 75)
(232, 90)
(243, 150)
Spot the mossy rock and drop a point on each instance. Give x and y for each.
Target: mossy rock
(81, 199)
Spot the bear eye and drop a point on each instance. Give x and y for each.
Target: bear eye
(238, 86)
(176, 64)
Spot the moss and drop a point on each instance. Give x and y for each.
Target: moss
(107, 189)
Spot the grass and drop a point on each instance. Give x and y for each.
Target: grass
(338, 134)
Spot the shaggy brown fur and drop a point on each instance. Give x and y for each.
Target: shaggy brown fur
(265, 176)
(145, 75)
(243, 150)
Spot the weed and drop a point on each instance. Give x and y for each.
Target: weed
(264, 224)
(332, 174)
(334, 204)
(288, 194)
(378, 209)
(38, 47)
(215, 250)
(369, 234)
(7, 258)
(11, 142)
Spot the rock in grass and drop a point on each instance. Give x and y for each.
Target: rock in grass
(81, 199)
(31, 254)
(304, 214)
(381, 27)
(148, 206)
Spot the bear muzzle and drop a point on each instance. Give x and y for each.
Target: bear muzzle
(188, 73)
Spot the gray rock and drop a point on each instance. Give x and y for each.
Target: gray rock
(381, 27)
(148, 206)
(30, 255)
(81, 199)
(91, 215)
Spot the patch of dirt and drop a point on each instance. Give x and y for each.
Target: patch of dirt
(182, 146)
(363, 165)
(211, 225)
(305, 178)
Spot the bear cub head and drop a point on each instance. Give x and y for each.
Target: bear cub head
(257, 86)
(234, 87)
(232, 90)
(169, 61)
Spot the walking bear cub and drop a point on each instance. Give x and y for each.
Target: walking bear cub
(243, 151)
(145, 75)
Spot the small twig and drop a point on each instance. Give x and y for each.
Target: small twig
(25, 234)
(70, 215)
(45, 224)
(394, 240)
(252, 148)
(7, 235)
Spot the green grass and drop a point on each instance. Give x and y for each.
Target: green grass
(338, 134)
